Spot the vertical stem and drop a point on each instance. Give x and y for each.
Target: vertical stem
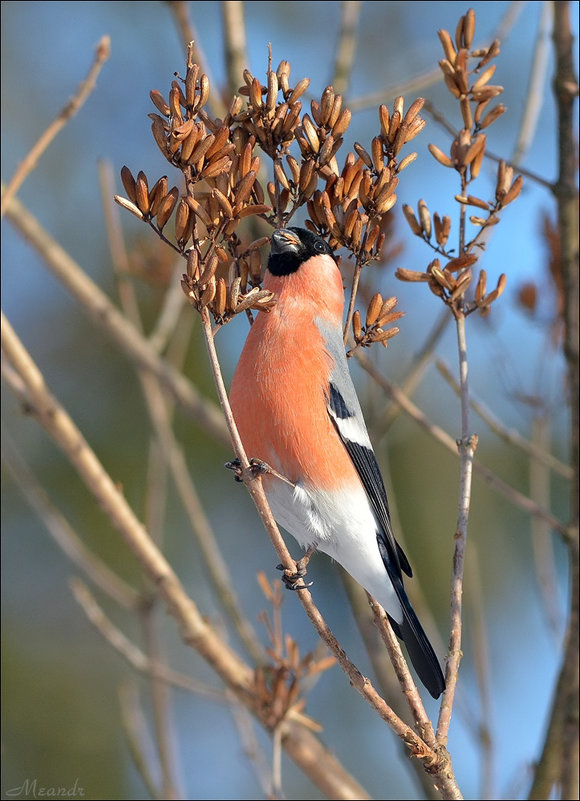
(466, 447)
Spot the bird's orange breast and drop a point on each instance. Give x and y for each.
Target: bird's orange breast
(279, 392)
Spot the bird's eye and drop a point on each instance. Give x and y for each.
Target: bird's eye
(320, 246)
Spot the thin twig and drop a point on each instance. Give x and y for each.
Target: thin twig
(136, 731)
(536, 83)
(422, 723)
(107, 317)
(26, 166)
(466, 447)
(542, 545)
(482, 671)
(346, 45)
(234, 26)
(509, 435)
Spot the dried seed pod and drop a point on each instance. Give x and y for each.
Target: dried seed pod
(203, 92)
(283, 74)
(479, 221)
(201, 148)
(281, 175)
(386, 309)
(142, 193)
(481, 287)
(440, 156)
(336, 111)
(513, 191)
(190, 83)
(448, 46)
(377, 153)
(220, 297)
(182, 221)
(383, 336)
(192, 264)
(475, 148)
(128, 183)
(411, 276)
(209, 270)
(424, 218)
(374, 309)
(306, 173)
(199, 210)
(224, 203)
(483, 78)
(477, 201)
(310, 132)
(466, 112)
(460, 262)
(294, 169)
(166, 207)
(356, 326)
(371, 237)
(291, 117)
(468, 28)
(159, 131)
(247, 211)
(385, 121)
(475, 166)
(363, 155)
(220, 138)
(156, 195)
(299, 90)
(188, 145)
(498, 290)
(208, 294)
(492, 115)
(272, 95)
(326, 104)
(234, 293)
(463, 281)
(159, 102)
(326, 153)
(341, 124)
(174, 105)
(394, 125)
(443, 278)
(126, 204)
(451, 84)
(413, 110)
(411, 219)
(385, 205)
(216, 167)
(442, 228)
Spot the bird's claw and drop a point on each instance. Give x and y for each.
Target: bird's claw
(257, 466)
(290, 580)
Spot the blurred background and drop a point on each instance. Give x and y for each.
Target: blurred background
(61, 715)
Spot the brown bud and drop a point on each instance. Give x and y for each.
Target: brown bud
(299, 90)
(142, 192)
(440, 156)
(411, 219)
(468, 28)
(424, 218)
(159, 102)
(513, 191)
(220, 297)
(126, 204)
(166, 207)
(156, 195)
(181, 221)
(129, 183)
(356, 326)
(326, 104)
(448, 47)
(492, 115)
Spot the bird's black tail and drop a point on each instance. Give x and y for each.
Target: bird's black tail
(420, 649)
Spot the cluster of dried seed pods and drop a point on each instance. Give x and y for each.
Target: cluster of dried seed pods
(380, 313)
(352, 206)
(277, 687)
(466, 155)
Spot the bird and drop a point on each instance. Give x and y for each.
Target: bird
(297, 413)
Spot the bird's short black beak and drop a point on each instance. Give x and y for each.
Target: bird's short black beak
(284, 241)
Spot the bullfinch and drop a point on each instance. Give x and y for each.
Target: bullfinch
(296, 410)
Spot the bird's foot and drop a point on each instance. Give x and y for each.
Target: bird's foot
(290, 579)
(258, 468)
